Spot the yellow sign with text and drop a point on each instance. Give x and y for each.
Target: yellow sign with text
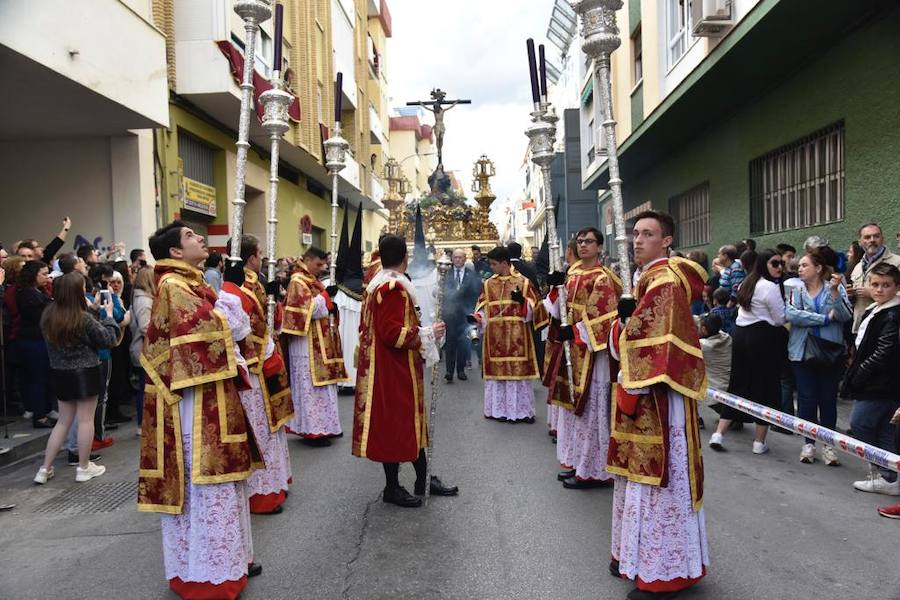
(199, 197)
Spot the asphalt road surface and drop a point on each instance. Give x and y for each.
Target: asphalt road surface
(777, 528)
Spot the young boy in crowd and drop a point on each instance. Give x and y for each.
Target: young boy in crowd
(716, 347)
(873, 378)
(727, 314)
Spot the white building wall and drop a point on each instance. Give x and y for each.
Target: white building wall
(67, 38)
(104, 184)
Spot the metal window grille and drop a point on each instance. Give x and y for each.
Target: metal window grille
(691, 213)
(199, 158)
(800, 184)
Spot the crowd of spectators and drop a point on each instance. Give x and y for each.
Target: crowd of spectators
(62, 361)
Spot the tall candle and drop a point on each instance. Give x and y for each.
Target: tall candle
(543, 71)
(279, 23)
(338, 92)
(532, 68)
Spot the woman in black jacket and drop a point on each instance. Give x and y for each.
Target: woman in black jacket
(31, 300)
(873, 379)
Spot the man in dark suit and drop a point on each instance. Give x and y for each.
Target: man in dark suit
(461, 289)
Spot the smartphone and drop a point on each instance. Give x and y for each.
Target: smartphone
(105, 296)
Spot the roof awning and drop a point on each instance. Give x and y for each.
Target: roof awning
(588, 92)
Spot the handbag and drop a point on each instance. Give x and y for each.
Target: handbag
(820, 353)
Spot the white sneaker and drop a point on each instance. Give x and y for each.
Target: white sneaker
(760, 447)
(830, 457)
(89, 472)
(27, 415)
(808, 454)
(43, 475)
(715, 441)
(877, 485)
(53, 415)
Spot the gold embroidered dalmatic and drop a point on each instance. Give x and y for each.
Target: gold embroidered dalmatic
(326, 356)
(188, 345)
(275, 384)
(592, 297)
(659, 349)
(508, 346)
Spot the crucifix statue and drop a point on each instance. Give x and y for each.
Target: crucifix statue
(438, 106)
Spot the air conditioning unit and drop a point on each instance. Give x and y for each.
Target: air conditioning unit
(712, 18)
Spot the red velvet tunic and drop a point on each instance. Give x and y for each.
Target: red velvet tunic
(389, 412)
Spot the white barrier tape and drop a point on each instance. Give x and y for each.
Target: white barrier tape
(844, 443)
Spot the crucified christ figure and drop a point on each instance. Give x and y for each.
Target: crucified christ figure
(438, 106)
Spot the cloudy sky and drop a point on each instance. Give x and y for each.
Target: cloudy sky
(472, 49)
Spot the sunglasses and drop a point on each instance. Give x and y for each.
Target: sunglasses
(776, 263)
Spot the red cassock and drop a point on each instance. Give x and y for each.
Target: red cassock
(389, 412)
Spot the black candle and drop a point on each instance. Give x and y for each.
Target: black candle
(279, 22)
(543, 71)
(532, 67)
(338, 92)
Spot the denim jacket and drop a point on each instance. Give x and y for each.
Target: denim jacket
(807, 318)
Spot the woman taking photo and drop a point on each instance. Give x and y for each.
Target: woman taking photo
(758, 347)
(817, 310)
(73, 338)
(31, 300)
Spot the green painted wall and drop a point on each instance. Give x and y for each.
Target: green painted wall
(858, 80)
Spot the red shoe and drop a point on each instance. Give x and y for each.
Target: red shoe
(891, 512)
(104, 443)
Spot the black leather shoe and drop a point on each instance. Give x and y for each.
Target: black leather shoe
(317, 442)
(437, 488)
(448, 378)
(563, 475)
(462, 376)
(585, 484)
(614, 569)
(254, 569)
(400, 497)
(553, 441)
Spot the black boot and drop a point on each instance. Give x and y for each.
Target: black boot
(254, 569)
(400, 497)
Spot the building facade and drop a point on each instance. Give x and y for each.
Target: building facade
(198, 149)
(771, 119)
(76, 116)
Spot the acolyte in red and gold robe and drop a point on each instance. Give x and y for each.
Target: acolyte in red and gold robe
(189, 345)
(326, 356)
(592, 296)
(389, 422)
(659, 349)
(275, 385)
(508, 347)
